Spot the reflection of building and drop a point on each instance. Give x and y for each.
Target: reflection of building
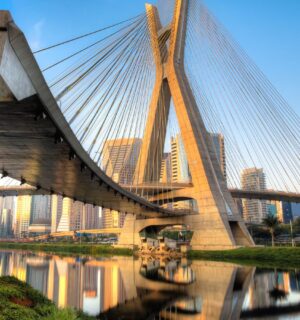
(23, 216)
(253, 179)
(219, 147)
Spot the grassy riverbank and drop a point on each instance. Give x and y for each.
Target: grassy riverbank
(19, 301)
(284, 257)
(68, 248)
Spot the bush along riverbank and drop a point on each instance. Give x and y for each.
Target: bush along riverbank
(284, 257)
(19, 301)
(68, 248)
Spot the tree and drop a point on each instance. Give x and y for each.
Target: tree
(271, 222)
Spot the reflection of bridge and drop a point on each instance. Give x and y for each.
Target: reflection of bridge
(53, 143)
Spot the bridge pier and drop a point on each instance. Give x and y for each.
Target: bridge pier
(208, 233)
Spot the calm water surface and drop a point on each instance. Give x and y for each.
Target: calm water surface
(127, 288)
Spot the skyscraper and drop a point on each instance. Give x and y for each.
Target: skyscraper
(179, 164)
(90, 218)
(7, 210)
(219, 147)
(56, 211)
(179, 168)
(23, 216)
(40, 208)
(64, 223)
(253, 179)
(166, 168)
(120, 158)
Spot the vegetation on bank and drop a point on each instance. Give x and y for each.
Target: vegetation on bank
(19, 301)
(284, 257)
(68, 248)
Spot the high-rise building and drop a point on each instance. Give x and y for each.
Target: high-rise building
(219, 147)
(120, 158)
(296, 210)
(179, 164)
(166, 168)
(253, 179)
(64, 223)
(90, 218)
(40, 208)
(179, 169)
(287, 214)
(56, 211)
(23, 216)
(112, 218)
(7, 210)
(71, 216)
(6, 223)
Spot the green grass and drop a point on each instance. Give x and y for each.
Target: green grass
(68, 248)
(19, 301)
(286, 257)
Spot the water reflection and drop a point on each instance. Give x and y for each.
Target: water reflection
(125, 288)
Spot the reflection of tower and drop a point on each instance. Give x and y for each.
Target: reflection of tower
(37, 274)
(23, 216)
(19, 269)
(75, 285)
(5, 258)
(91, 290)
(62, 269)
(113, 287)
(259, 290)
(51, 279)
(253, 179)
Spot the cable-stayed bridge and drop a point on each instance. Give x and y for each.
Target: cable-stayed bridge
(128, 120)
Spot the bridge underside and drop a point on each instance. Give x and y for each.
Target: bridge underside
(33, 151)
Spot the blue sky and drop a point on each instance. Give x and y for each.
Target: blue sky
(268, 30)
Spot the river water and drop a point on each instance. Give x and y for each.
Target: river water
(128, 288)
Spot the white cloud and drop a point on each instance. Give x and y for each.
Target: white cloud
(36, 35)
